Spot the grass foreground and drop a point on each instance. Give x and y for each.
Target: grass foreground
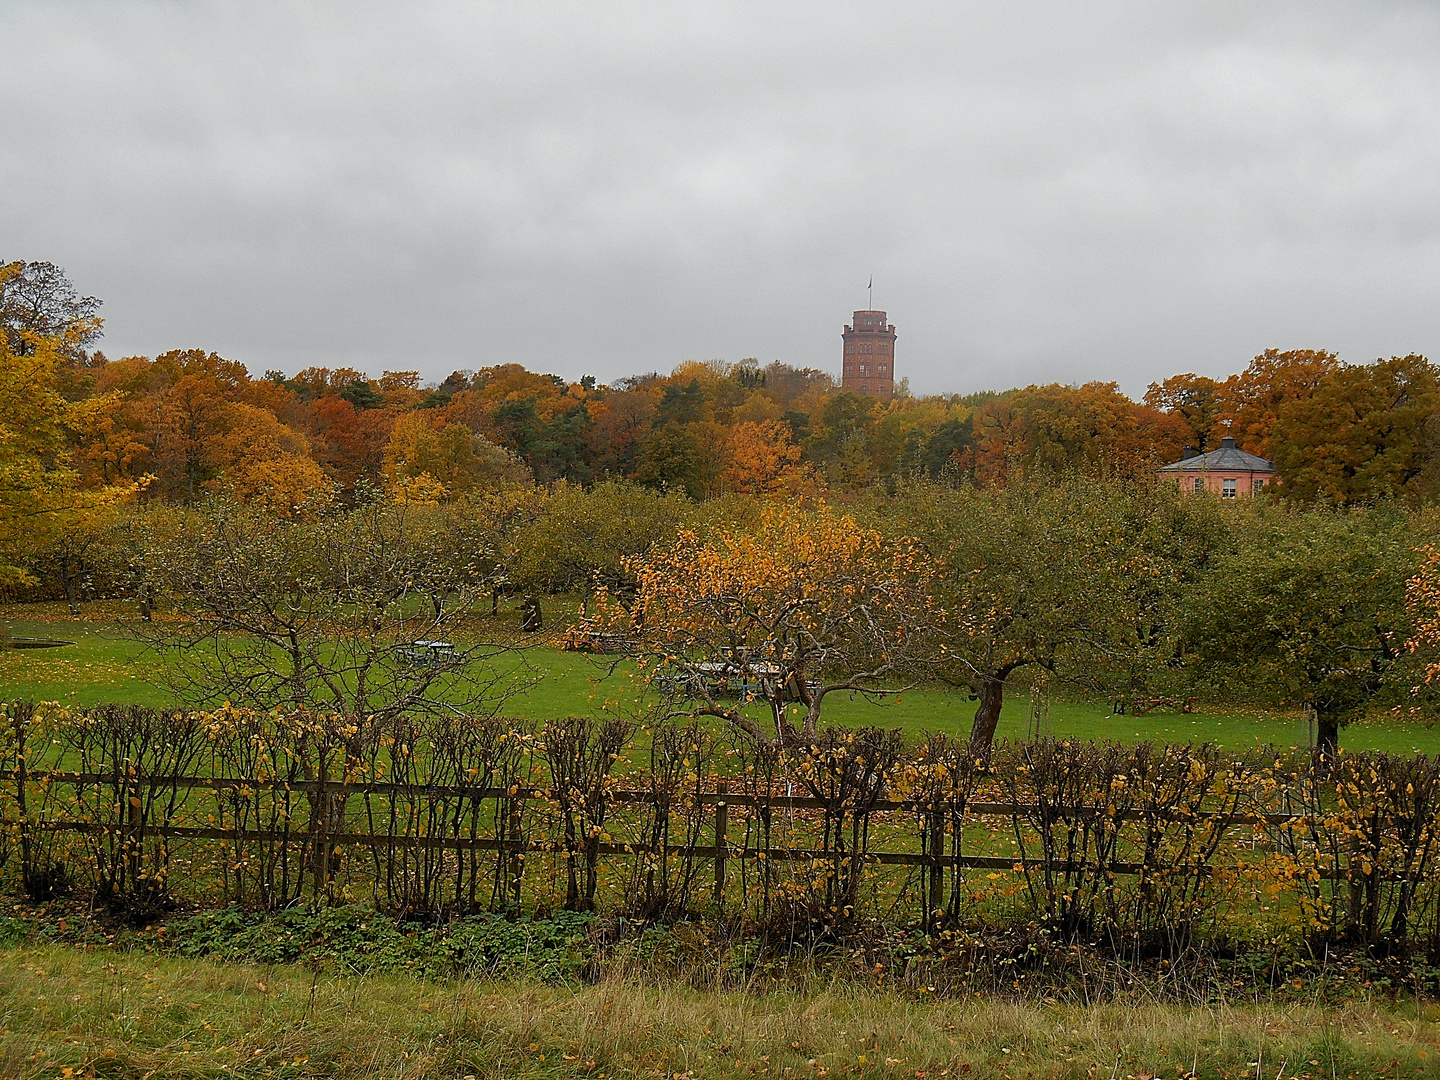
(65, 1012)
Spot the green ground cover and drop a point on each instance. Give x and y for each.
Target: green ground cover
(544, 683)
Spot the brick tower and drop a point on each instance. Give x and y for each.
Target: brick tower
(869, 356)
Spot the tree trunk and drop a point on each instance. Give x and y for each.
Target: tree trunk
(987, 716)
(532, 620)
(71, 600)
(1327, 742)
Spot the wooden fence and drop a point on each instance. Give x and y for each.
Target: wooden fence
(1087, 840)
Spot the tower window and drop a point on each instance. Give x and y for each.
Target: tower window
(864, 368)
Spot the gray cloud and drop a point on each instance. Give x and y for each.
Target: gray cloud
(1042, 191)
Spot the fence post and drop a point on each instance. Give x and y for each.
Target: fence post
(320, 828)
(22, 731)
(722, 819)
(937, 872)
(517, 857)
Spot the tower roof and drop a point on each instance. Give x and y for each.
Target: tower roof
(1229, 458)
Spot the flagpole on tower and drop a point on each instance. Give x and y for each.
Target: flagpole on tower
(871, 288)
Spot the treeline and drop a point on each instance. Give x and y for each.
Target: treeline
(190, 422)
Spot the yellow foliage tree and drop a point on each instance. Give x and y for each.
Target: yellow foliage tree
(419, 490)
(40, 495)
(452, 456)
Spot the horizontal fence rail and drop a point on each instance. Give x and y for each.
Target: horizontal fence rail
(716, 799)
(977, 808)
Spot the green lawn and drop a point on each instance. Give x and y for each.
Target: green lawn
(544, 683)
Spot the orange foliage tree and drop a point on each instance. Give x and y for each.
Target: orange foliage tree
(802, 605)
(763, 459)
(1255, 397)
(261, 461)
(1197, 400)
(1369, 431)
(1088, 427)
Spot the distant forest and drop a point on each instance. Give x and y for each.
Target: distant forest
(190, 422)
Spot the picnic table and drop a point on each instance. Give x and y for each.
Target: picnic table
(426, 653)
(730, 678)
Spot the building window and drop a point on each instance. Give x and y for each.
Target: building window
(866, 347)
(882, 368)
(864, 368)
(1259, 484)
(1199, 484)
(1228, 488)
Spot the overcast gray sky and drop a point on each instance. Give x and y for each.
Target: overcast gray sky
(1064, 191)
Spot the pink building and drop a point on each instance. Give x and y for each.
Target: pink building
(1228, 472)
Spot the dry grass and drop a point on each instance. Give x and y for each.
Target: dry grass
(64, 1012)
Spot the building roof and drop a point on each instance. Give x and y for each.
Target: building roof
(1229, 458)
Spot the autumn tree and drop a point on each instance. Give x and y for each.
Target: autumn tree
(451, 454)
(1254, 397)
(347, 442)
(1197, 400)
(803, 605)
(1094, 428)
(39, 494)
(619, 423)
(259, 460)
(1367, 432)
(763, 460)
(37, 301)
